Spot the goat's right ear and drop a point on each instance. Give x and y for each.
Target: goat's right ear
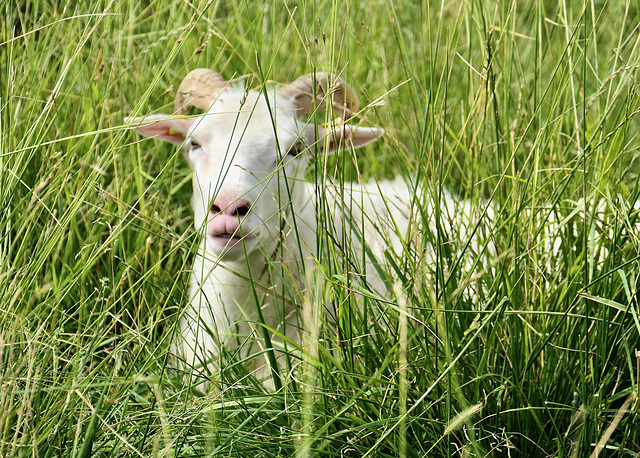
(163, 127)
(342, 136)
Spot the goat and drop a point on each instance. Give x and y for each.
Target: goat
(256, 213)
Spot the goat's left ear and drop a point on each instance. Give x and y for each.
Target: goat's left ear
(344, 136)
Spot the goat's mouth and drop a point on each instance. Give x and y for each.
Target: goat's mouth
(227, 240)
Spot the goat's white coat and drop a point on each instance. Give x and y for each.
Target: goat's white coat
(238, 152)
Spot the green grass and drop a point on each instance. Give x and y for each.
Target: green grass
(532, 106)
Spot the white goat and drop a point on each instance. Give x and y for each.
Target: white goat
(257, 214)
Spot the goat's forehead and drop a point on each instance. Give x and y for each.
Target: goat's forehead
(246, 115)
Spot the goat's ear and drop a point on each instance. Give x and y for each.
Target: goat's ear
(163, 127)
(339, 137)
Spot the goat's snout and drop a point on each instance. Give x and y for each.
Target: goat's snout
(226, 221)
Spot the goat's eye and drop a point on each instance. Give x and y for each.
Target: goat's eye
(194, 144)
(296, 149)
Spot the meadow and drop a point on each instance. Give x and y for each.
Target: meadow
(530, 107)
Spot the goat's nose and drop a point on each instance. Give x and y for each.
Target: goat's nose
(237, 208)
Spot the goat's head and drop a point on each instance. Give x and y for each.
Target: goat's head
(248, 149)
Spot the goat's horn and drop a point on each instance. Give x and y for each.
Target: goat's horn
(344, 98)
(198, 89)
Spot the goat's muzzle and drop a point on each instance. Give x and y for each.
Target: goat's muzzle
(225, 227)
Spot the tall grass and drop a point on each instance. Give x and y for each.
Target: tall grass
(531, 107)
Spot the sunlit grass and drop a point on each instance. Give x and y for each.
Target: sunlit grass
(528, 107)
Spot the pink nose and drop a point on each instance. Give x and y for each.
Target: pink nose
(228, 215)
(230, 207)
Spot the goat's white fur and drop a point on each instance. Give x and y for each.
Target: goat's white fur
(238, 152)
